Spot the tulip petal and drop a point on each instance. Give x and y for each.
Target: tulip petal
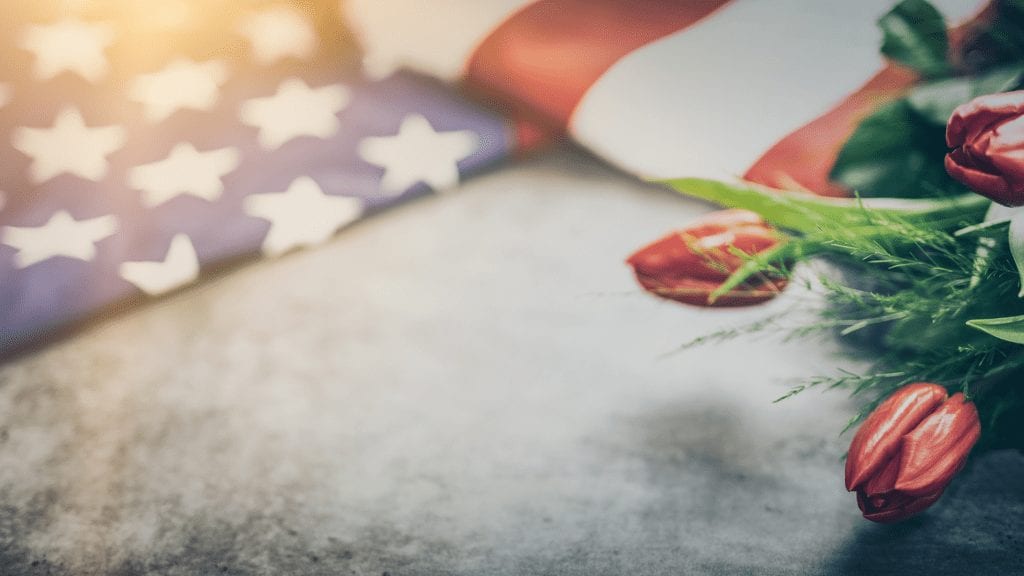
(884, 480)
(987, 135)
(879, 437)
(666, 254)
(970, 119)
(993, 186)
(689, 265)
(896, 508)
(938, 447)
(1006, 150)
(697, 291)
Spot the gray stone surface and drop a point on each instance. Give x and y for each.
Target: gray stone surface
(468, 385)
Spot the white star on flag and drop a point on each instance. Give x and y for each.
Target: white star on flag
(62, 235)
(277, 33)
(296, 110)
(69, 45)
(302, 215)
(69, 146)
(179, 267)
(418, 153)
(182, 84)
(184, 171)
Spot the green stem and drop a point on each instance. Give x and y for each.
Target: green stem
(807, 213)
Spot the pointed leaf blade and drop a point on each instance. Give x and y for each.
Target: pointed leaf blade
(1009, 328)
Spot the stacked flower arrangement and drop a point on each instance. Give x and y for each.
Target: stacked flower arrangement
(930, 246)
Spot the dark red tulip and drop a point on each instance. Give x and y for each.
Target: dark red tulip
(688, 265)
(987, 137)
(908, 450)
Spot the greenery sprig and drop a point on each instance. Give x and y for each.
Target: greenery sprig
(931, 277)
(910, 288)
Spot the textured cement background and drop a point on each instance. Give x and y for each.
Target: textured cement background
(466, 385)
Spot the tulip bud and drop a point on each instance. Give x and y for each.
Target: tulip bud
(689, 265)
(987, 137)
(908, 450)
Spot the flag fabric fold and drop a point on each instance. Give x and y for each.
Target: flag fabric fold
(699, 88)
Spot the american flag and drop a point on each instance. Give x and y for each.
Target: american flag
(142, 141)
(145, 141)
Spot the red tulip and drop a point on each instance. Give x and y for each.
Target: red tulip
(987, 135)
(689, 265)
(908, 450)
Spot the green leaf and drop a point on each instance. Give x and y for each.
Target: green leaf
(895, 153)
(915, 36)
(1015, 238)
(806, 213)
(935, 101)
(999, 37)
(1009, 328)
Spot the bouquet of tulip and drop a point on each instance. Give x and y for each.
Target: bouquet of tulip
(929, 249)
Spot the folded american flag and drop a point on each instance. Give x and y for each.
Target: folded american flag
(143, 141)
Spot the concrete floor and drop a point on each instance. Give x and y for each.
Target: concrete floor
(469, 384)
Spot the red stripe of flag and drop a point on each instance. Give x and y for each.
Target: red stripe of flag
(544, 58)
(804, 158)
